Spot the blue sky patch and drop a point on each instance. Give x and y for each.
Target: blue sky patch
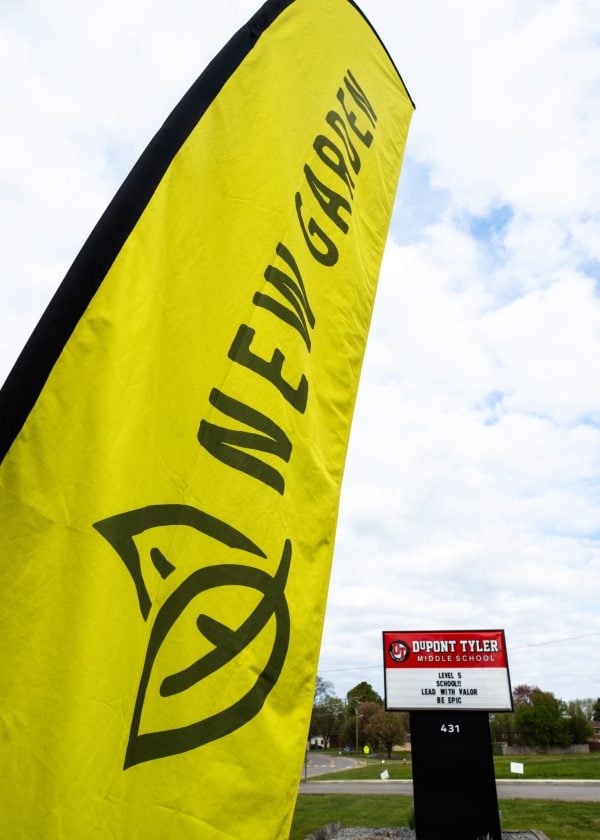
(491, 226)
(418, 204)
(491, 405)
(592, 269)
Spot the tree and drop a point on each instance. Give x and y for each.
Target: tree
(328, 719)
(328, 712)
(387, 728)
(579, 727)
(362, 693)
(502, 727)
(354, 729)
(596, 710)
(586, 704)
(539, 722)
(323, 689)
(523, 693)
(361, 701)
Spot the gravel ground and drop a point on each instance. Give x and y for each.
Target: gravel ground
(407, 834)
(330, 833)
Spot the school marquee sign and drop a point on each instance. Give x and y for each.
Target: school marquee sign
(437, 670)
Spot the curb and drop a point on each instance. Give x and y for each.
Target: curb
(574, 782)
(577, 782)
(356, 781)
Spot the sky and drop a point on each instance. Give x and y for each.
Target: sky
(471, 492)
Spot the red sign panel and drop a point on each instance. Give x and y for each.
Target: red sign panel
(465, 669)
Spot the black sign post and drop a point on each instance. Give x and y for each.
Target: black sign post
(453, 776)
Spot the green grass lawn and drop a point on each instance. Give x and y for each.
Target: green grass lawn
(584, 766)
(559, 820)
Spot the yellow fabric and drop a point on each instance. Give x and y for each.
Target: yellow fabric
(134, 545)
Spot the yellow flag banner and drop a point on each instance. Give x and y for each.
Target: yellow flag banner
(173, 440)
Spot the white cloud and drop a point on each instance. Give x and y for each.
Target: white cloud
(547, 342)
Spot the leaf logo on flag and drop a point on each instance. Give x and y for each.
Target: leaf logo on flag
(237, 665)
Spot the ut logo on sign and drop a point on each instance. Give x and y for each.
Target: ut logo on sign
(399, 650)
(231, 619)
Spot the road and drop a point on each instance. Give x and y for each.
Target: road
(318, 763)
(563, 790)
